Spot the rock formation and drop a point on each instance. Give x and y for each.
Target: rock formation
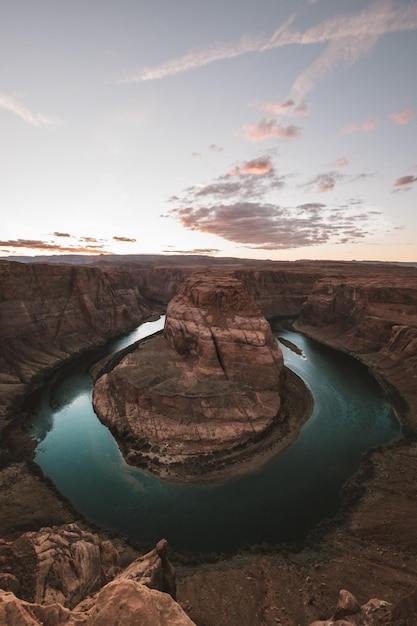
(373, 319)
(49, 314)
(67, 576)
(375, 612)
(210, 384)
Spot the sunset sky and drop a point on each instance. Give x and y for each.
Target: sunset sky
(276, 129)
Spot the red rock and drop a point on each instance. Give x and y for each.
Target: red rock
(128, 602)
(59, 565)
(210, 383)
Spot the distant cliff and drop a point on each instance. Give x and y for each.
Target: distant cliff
(373, 318)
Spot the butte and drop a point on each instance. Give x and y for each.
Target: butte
(192, 402)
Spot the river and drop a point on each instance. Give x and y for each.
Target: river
(279, 503)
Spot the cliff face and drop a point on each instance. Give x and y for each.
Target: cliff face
(209, 384)
(374, 319)
(49, 313)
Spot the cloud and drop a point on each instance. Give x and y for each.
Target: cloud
(245, 181)
(403, 116)
(91, 240)
(403, 183)
(342, 162)
(198, 251)
(14, 106)
(56, 234)
(36, 245)
(289, 106)
(279, 109)
(267, 226)
(324, 182)
(271, 128)
(348, 37)
(124, 239)
(259, 167)
(200, 58)
(196, 155)
(215, 148)
(354, 128)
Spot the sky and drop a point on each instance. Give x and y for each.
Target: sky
(276, 129)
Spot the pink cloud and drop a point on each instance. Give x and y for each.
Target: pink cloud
(342, 162)
(258, 167)
(365, 126)
(405, 181)
(279, 109)
(270, 128)
(403, 116)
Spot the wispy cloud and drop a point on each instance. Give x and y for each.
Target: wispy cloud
(124, 239)
(289, 106)
(403, 116)
(341, 163)
(217, 52)
(38, 245)
(324, 182)
(404, 182)
(279, 108)
(355, 128)
(197, 251)
(271, 128)
(348, 37)
(245, 181)
(14, 106)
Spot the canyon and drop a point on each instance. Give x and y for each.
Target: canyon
(51, 312)
(184, 402)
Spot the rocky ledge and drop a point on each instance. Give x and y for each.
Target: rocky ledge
(66, 576)
(188, 401)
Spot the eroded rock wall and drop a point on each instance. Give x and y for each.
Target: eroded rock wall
(68, 576)
(48, 313)
(373, 318)
(210, 383)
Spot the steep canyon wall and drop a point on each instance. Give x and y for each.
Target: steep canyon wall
(375, 319)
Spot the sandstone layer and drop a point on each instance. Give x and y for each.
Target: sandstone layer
(374, 319)
(210, 384)
(49, 313)
(68, 576)
(371, 549)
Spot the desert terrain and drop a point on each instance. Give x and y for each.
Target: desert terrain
(51, 312)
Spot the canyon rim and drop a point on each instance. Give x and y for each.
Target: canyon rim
(50, 312)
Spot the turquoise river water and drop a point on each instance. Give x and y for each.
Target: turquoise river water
(279, 503)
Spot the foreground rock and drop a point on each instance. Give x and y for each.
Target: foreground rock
(67, 576)
(209, 385)
(375, 612)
